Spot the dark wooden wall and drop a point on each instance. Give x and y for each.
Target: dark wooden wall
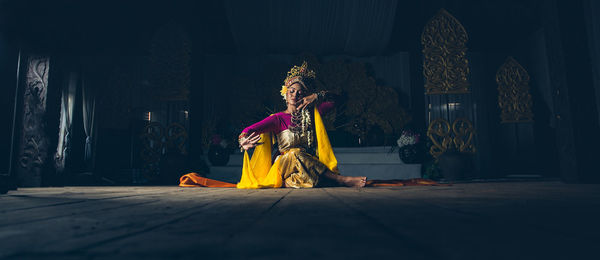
(8, 81)
(553, 40)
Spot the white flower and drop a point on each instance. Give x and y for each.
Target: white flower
(407, 138)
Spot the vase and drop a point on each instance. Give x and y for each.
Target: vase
(409, 154)
(455, 165)
(217, 155)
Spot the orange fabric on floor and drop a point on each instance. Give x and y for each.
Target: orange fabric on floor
(195, 180)
(411, 182)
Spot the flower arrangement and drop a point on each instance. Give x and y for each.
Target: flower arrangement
(408, 138)
(409, 149)
(217, 140)
(219, 150)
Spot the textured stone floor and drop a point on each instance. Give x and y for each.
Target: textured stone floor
(527, 220)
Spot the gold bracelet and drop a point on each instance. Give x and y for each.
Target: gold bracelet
(241, 138)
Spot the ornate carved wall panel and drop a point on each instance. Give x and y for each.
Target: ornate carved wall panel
(445, 65)
(439, 134)
(170, 64)
(458, 137)
(158, 142)
(33, 148)
(463, 132)
(153, 141)
(514, 98)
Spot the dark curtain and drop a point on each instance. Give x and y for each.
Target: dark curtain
(355, 27)
(89, 112)
(69, 123)
(68, 99)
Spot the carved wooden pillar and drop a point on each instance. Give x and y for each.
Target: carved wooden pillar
(170, 81)
(516, 130)
(32, 147)
(448, 99)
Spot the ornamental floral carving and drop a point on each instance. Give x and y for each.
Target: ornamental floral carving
(444, 137)
(445, 65)
(34, 143)
(514, 98)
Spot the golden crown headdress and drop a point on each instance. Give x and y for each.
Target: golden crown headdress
(298, 74)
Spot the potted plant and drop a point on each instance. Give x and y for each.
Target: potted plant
(431, 170)
(409, 147)
(218, 154)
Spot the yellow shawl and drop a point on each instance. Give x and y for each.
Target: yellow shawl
(260, 172)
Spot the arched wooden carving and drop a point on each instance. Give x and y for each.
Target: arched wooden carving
(445, 65)
(170, 63)
(514, 98)
(458, 138)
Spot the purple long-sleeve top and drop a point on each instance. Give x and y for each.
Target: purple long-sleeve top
(280, 121)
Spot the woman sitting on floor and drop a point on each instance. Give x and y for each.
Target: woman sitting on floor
(306, 156)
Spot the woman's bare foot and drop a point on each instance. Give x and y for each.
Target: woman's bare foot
(350, 181)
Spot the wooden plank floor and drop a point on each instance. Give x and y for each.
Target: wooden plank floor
(529, 220)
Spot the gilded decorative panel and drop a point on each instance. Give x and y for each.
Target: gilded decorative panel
(456, 137)
(445, 65)
(514, 98)
(439, 134)
(463, 132)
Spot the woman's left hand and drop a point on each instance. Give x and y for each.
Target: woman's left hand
(307, 101)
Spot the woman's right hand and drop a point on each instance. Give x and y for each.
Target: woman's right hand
(250, 141)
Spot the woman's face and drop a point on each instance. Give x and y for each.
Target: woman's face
(295, 93)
